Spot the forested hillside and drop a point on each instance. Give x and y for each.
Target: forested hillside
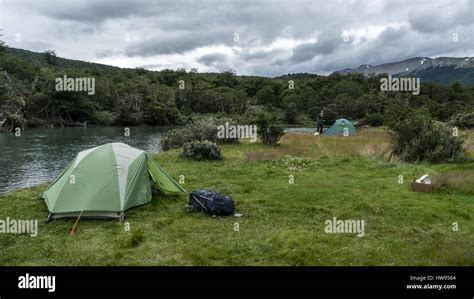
(136, 96)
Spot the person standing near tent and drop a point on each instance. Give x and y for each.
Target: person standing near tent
(320, 120)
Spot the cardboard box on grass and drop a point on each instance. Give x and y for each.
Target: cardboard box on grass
(420, 187)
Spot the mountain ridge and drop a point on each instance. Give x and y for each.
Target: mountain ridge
(444, 70)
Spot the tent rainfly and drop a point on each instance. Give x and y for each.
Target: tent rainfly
(341, 127)
(105, 181)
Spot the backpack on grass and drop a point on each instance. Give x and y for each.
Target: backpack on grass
(211, 202)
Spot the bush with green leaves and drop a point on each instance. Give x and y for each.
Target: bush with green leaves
(463, 120)
(176, 138)
(202, 150)
(374, 119)
(204, 128)
(271, 134)
(416, 137)
(105, 118)
(222, 121)
(200, 128)
(270, 129)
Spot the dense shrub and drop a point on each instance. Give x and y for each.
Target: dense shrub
(105, 118)
(374, 120)
(204, 128)
(222, 121)
(416, 137)
(271, 134)
(202, 150)
(270, 129)
(201, 128)
(463, 120)
(176, 138)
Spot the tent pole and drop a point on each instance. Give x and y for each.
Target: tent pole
(73, 230)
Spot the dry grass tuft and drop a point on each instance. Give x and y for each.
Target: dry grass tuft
(262, 155)
(461, 180)
(368, 142)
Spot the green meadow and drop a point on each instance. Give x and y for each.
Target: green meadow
(284, 204)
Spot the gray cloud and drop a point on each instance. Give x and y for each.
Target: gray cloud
(261, 56)
(274, 36)
(425, 23)
(90, 11)
(210, 59)
(326, 44)
(443, 18)
(179, 43)
(106, 53)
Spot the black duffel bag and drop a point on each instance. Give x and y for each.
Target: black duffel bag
(211, 202)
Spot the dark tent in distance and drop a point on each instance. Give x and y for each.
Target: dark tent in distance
(341, 127)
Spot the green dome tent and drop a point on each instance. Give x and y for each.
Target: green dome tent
(105, 181)
(341, 127)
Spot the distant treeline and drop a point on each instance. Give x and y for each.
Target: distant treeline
(170, 97)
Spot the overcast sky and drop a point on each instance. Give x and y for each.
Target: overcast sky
(268, 38)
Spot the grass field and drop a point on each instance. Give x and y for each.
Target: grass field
(282, 223)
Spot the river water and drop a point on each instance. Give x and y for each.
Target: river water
(40, 155)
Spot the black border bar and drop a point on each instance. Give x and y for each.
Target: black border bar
(311, 282)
